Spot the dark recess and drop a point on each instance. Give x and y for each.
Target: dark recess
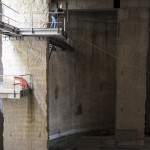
(116, 3)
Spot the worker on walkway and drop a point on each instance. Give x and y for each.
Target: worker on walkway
(55, 16)
(53, 23)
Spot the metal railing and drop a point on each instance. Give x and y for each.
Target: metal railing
(8, 15)
(36, 20)
(15, 83)
(55, 21)
(51, 22)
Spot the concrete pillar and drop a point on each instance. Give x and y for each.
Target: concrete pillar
(1, 65)
(1, 72)
(131, 74)
(17, 116)
(25, 119)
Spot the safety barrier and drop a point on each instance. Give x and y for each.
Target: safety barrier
(51, 21)
(36, 21)
(8, 15)
(14, 84)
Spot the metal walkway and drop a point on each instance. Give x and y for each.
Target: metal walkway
(54, 37)
(10, 30)
(40, 32)
(54, 34)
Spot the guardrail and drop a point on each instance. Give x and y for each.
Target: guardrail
(54, 22)
(15, 83)
(8, 15)
(34, 19)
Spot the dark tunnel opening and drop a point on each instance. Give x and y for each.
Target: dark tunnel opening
(116, 3)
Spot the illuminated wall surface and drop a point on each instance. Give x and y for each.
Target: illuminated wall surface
(25, 124)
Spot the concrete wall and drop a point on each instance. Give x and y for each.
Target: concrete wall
(1, 111)
(88, 4)
(25, 125)
(82, 84)
(29, 57)
(16, 124)
(99, 4)
(1, 65)
(131, 72)
(134, 3)
(147, 104)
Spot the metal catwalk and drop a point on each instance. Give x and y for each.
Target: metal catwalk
(54, 31)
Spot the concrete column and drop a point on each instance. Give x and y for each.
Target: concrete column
(131, 74)
(17, 124)
(1, 65)
(25, 119)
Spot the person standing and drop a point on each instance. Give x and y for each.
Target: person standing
(55, 16)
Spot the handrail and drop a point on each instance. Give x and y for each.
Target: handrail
(15, 75)
(50, 12)
(36, 20)
(33, 20)
(8, 17)
(39, 13)
(9, 7)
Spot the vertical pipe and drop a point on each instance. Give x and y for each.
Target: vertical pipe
(58, 22)
(67, 19)
(32, 22)
(64, 26)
